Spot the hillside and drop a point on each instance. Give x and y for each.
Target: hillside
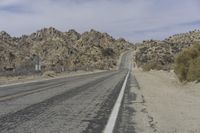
(49, 49)
(161, 55)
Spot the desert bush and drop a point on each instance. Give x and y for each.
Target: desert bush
(108, 52)
(149, 66)
(49, 74)
(194, 70)
(187, 64)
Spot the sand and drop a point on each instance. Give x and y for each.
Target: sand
(170, 106)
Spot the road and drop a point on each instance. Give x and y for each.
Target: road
(79, 104)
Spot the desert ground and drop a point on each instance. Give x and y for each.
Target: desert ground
(168, 105)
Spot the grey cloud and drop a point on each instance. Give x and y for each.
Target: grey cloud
(134, 20)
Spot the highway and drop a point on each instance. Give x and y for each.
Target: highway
(78, 104)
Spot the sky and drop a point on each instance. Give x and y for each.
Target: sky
(134, 20)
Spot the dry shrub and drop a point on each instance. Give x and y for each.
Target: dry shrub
(187, 64)
(49, 74)
(149, 66)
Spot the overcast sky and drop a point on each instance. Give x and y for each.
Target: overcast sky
(134, 20)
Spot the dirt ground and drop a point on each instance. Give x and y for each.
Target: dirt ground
(171, 107)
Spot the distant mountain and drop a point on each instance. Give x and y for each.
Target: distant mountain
(154, 54)
(59, 51)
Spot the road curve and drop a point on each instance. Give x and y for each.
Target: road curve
(79, 104)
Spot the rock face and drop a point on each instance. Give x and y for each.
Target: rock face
(58, 51)
(154, 54)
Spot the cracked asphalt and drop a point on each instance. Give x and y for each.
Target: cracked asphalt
(79, 104)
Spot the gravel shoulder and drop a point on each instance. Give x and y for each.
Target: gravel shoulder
(171, 107)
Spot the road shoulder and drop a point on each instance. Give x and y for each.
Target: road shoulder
(134, 117)
(173, 107)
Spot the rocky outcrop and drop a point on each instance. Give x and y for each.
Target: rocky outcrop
(58, 51)
(98, 50)
(155, 54)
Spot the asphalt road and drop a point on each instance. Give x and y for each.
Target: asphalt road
(79, 104)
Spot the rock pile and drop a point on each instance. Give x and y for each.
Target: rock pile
(155, 54)
(59, 51)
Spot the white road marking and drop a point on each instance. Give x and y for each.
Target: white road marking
(113, 117)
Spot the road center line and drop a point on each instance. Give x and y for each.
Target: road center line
(113, 117)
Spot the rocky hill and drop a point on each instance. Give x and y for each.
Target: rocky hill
(52, 50)
(155, 54)
(184, 38)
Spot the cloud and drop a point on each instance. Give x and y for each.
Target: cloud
(134, 20)
(15, 9)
